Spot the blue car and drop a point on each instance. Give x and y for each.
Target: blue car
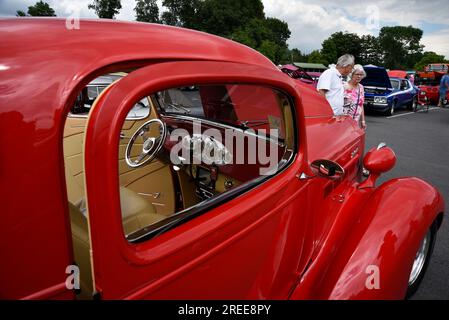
(386, 94)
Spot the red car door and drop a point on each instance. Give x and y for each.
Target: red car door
(254, 245)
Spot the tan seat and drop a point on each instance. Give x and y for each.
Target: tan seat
(136, 211)
(81, 250)
(136, 214)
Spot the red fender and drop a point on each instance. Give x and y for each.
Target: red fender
(377, 230)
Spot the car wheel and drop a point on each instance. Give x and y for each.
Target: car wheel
(415, 105)
(390, 111)
(422, 259)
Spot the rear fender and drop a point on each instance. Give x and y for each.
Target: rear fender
(369, 252)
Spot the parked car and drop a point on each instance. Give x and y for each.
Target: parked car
(397, 74)
(300, 74)
(247, 187)
(428, 83)
(386, 94)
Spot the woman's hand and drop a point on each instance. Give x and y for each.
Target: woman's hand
(363, 124)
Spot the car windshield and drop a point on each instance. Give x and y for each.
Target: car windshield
(426, 82)
(228, 104)
(395, 84)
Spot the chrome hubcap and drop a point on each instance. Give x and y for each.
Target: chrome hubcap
(420, 259)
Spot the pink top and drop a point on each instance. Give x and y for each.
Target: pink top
(352, 96)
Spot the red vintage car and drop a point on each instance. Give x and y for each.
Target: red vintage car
(117, 183)
(428, 83)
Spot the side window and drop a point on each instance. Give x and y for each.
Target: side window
(396, 84)
(404, 85)
(90, 93)
(204, 143)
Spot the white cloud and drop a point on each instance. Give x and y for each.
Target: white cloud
(311, 22)
(438, 42)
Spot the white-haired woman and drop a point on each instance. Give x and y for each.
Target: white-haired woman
(355, 96)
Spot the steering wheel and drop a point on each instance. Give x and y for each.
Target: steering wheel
(150, 144)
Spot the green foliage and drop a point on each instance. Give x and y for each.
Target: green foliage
(241, 20)
(244, 21)
(427, 58)
(395, 48)
(40, 9)
(270, 50)
(225, 17)
(293, 55)
(107, 9)
(371, 52)
(169, 18)
(279, 31)
(400, 46)
(316, 57)
(340, 43)
(182, 13)
(268, 36)
(147, 11)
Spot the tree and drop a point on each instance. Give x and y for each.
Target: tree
(241, 20)
(280, 32)
(40, 9)
(270, 50)
(182, 13)
(370, 51)
(427, 58)
(106, 8)
(225, 17)
(400, 46)
(268, 36)
(340, 43)
(316, 57)
(169, 18)
(329, 51)
(147, 11)
(295, 55)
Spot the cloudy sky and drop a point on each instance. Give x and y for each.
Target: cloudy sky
(311, 21)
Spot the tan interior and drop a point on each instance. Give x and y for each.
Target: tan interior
(149, 181)
(146, 193)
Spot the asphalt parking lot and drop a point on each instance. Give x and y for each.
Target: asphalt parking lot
(421, 143)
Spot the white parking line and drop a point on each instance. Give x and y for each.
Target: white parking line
(405, 114)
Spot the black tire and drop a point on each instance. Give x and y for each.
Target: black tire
(413, 286)
(414, 106)
(390, 111)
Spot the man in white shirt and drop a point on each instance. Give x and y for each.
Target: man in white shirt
(330, 83)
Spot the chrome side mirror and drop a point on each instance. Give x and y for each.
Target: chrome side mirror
(327, 169)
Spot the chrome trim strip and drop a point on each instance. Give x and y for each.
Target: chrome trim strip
(85, 116)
